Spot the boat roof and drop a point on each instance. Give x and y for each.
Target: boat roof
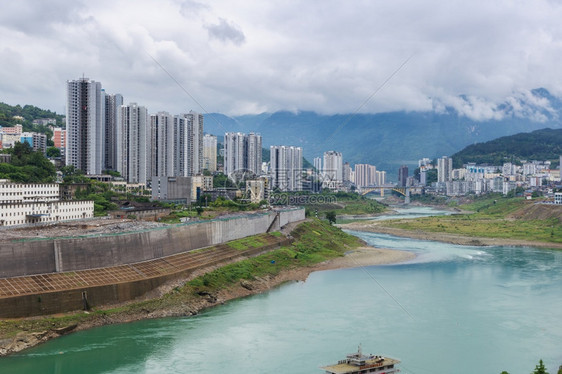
(369, 361)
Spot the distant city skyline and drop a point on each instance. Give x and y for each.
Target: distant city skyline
(264, 57)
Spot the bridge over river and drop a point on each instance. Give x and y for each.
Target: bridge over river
(404, 191)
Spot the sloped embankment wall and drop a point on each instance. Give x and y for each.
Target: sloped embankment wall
(62, 255)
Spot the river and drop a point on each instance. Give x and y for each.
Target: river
(452, 310)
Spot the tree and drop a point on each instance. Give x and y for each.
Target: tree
(53, 152)
(504, 372)
(331, 217)
(540, 369)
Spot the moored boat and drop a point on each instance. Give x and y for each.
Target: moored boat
(358, 363)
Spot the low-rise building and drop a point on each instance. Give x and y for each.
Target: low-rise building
(200, 184)
(257, 190)
(172, 189)
(35, 140)
(22, 204)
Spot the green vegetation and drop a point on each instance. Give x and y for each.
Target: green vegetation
(100, 194)
(27, 166)
(342, 203)
(315, 241)
(331, 216)
(545, 144)
(495, 217)
(249, 242)
(540, 369)
(28, 112)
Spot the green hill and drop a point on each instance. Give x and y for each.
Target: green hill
(544, 144)
(28, 112)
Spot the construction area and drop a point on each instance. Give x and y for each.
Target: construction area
(61, 292)
(116, 261)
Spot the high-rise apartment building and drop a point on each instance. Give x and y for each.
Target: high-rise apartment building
(85, 125)
(403, 176)
(111, 112)
(133, 148)
(210, 152)
(444, 169)
(286, 168)
(380, 177)
(195, 142)
(318, 164)
(188, 144)
(233, 152)
(365, 175)
(332, 172)
(242, 153)
(346, 172)
(162, 145)
(253, 153)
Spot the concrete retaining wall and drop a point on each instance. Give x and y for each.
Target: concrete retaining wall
(58, 255)
(73, 299)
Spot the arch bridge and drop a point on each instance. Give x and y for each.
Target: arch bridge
(404, 191)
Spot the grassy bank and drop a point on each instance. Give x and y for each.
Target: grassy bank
(509, 218)
(315, 241)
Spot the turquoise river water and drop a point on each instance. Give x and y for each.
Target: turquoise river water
(453, 310)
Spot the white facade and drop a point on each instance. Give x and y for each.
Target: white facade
(210, 152)
(558, 198)
(38, 203)
(233, 152)
(188, 144)
(8, 140)
(444, 169)
(12, 214)
(85, 124)
(365, 175)
(133, 148)
(333, 169)
(253, 145)
(18, 192)
(162, 145)
(286, 168)
(318, 164)
(195, 142)
(242, 153)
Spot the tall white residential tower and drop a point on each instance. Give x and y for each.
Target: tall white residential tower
(85, 124)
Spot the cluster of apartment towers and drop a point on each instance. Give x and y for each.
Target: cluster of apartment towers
(104, 134)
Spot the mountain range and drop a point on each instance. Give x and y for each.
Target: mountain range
(391, 139)
(540, 145)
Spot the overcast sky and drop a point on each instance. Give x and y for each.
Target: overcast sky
(252, 56)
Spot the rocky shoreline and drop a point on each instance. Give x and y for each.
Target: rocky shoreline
(362, 256)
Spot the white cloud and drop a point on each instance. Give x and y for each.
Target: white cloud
(326, 56)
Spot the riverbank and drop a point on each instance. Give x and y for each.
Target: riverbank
(378, 227)
(183, 298)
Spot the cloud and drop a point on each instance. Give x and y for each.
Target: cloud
(327, 56)
(189, 8)
(226, 32)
